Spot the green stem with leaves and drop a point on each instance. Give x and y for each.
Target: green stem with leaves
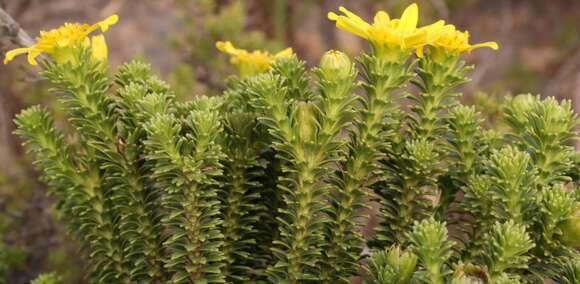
(241, 195)
(84, 84)
(186, 169)
(78, 193)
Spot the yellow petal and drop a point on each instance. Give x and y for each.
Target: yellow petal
(419, 52)
(32, 54)
(434, 30)
(227, 47)
(221, 45)
(451, 29)
(435, 25)
(99, 48)
(409, 18)
(491, 44)
(382, 18)
(15, 52)
(284, 53)
(63, 42)
(111, 20)
(350, 23)
(416, 39)
(345, 24)
(353, 17)
(332, 16)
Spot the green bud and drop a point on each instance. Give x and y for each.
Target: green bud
(335, 66)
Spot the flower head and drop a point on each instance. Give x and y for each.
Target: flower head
(447, 39)
(392, 39)
(251, 63)
(58, 43)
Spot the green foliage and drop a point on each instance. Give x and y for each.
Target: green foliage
(78, 191)
(49, 278)
(336, 80)
(380, 120)
(513, 185)
(507, 249)
(437, 79)
(465, 142)
(414, 162)
(186, 168)
(429, 241)
(113, 155)
(570, 273)
(557, 206)
(273, 182)
(391, 266)
(304, 136)
(544, 127)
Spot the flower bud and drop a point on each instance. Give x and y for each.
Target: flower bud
(335, 66)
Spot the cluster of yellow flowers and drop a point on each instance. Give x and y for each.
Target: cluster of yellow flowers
(391, 39)
(58, 43)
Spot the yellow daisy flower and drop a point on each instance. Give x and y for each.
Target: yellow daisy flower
(251, 63)
(391, 39)
(58, 43)
(446, 39)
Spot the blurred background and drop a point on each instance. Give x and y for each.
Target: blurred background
(539, 53)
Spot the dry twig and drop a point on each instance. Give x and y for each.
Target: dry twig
(11, 35)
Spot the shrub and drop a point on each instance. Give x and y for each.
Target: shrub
(270, 183)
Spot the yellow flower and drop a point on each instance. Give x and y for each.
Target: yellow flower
(392, 39)
(446, 39)
(58, 43)
(251, 63)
